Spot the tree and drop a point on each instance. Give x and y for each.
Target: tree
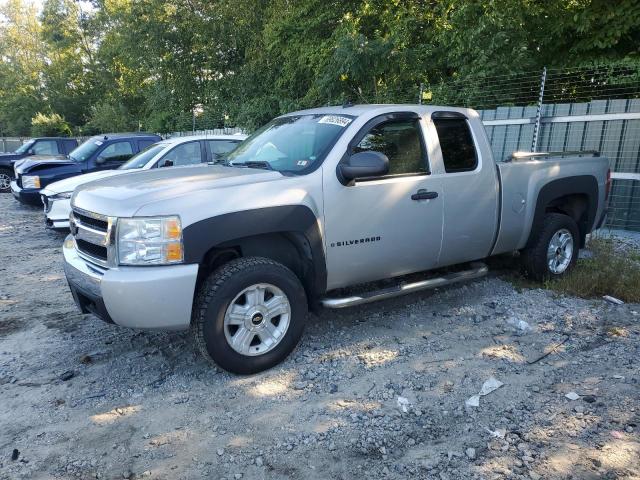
(52, 125)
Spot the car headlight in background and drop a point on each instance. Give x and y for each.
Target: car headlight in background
(61, 196)
(149, 241)
(31, 181)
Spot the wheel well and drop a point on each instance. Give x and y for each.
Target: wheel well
(576, 206)
(291, 249)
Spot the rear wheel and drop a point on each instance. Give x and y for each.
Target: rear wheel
(249, 315)
(554, 251)
(5, 180)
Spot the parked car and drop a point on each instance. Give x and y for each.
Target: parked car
(102, 152)
(49, 146)
(316, 201)
(174, 152)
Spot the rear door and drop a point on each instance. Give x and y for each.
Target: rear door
(389, 225)
(469, 181)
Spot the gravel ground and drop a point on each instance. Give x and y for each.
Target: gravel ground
(372, 392)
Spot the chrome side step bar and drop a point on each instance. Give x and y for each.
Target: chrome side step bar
(478, 270)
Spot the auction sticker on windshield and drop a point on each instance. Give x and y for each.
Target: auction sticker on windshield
(335, 120)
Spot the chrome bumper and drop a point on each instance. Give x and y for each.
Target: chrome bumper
(157, 298)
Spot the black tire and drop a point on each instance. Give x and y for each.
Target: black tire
(216, 294)
(535, 260)
(5, 173)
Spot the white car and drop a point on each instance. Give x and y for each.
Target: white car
(174, 152)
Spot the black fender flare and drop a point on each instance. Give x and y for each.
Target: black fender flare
(582, 185)
(200, 237)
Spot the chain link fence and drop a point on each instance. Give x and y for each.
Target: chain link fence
(563, 110)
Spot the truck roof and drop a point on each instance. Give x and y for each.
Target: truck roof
(53, 138)
(361, 109)
(125, 134)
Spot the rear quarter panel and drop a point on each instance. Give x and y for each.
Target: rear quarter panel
(522, 182)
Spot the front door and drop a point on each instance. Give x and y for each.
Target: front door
(387, 226)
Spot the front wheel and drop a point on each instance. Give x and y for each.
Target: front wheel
(249, 315)
(554, 250)
(5, 180)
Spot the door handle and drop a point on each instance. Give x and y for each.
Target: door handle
(424, 195)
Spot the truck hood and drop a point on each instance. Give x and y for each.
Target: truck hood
(25, 165)
(71, 183)
(123, 196)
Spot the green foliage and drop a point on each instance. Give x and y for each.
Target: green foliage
(150, 63)
(110, 117)
(610, 271)
(52, 125)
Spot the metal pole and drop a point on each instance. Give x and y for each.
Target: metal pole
(193, 120)
(536, 128)
(420, 94)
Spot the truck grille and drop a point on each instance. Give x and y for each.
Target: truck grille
(93, 235)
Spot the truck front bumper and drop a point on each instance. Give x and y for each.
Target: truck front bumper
(30, 196)
(157, 298)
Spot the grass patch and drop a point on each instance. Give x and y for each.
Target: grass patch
(611, 270)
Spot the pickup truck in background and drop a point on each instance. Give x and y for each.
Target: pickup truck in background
(102, 152)
(47, 146)
(312, 203)
(174, 152)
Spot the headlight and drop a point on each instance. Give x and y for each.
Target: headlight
(30, 181)
(150, 241)
(61, 196)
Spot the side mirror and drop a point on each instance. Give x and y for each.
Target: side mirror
(363, 164)
(30, 152)
(100, 160)
(167, 163)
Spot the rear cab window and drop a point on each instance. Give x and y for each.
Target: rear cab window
(456, 143)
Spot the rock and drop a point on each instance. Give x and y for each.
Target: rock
(589, 398)
(300, 385)
(332, 447)
(333, 388)
(259, 461)
(237, 476)
(86, 359)
(470, 453)
(15, 454)
(68, 375)
(572, 396)
(220, 452)
(534, 476)
(578, 409)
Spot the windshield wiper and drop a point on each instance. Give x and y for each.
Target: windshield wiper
(253, 164)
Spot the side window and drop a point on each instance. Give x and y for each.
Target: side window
(456, 143)
(144, 143)
(117, 152)
(220, 148)
(401, 142)
(70, 145)
(45, 147)
(185, 154)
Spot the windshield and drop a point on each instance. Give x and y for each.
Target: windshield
(84, 151)
(293, 144)
(141, 159)
(25, 146)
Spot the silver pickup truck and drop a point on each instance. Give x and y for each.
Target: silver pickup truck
(313, 202)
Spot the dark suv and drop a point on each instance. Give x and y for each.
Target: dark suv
(102, 152)
(47, 146)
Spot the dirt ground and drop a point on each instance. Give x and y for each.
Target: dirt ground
(372, 392)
